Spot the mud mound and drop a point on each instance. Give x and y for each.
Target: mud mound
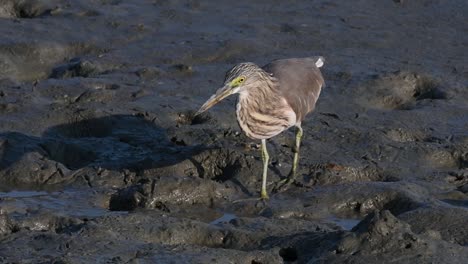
(32, 61)
(189, 118)
(449, 223)
(381, 233)
(76, 68)
(400, 90)
(330, 173)
(163, 193)
(26, 8)
(397, 197)
(110, 143)
(17, 151)
(403, 135)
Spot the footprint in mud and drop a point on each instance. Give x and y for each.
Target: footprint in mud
(400, 90)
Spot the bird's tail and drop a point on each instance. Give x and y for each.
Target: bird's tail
(319, 61)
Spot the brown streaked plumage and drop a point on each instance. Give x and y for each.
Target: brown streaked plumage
(272, 99)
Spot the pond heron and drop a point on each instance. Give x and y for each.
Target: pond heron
(272, 99)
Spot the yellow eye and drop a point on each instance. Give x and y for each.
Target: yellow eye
(237, 81)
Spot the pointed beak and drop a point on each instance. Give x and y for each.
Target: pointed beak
(216, 98)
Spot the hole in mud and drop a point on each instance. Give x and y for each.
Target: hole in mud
(427, 88)
(220, 164)
(228, 172)
(189, 118)
(288, 254)
(185, 118)
(182, 68)
(396, 206)
(462, 160)
(15, 229)
(201, 119)
(178, 142)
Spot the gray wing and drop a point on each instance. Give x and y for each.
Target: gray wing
(300, 82)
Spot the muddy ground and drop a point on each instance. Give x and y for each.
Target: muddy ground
(102, 160)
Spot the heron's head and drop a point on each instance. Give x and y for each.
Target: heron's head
(237, 79)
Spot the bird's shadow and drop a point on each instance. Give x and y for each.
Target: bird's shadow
(117, 142)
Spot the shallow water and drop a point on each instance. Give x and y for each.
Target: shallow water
(71, 203)
(345, 223)
(22, 194)
(223, 219)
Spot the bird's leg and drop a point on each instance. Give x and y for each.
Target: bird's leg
(265, 158)
(264, 193)
(292, 175)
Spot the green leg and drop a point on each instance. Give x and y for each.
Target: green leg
(283, 184)
(264, 193)
(265, 158)
(292, 175)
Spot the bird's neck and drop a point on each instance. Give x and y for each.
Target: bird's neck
(259, 97)
(262, 112)
(260, 91)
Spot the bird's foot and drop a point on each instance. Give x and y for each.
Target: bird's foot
(284, 184)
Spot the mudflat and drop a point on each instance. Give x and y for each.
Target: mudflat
(103, 161)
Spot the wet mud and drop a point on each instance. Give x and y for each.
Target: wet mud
(103, 161)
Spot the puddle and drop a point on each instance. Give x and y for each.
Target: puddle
(457, 203)
(223, 219)
(22, 194)
(345, 223)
